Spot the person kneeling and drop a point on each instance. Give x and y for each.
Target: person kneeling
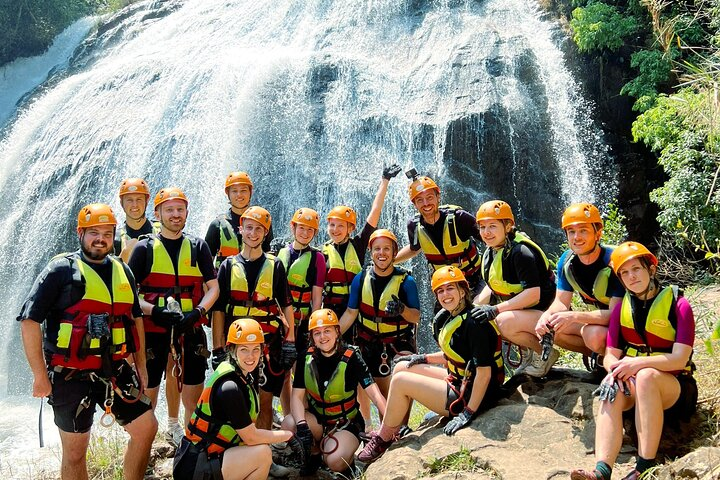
(221, 440)
(473, 373)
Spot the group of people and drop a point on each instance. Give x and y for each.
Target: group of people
(327, 332)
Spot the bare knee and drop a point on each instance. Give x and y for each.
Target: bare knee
(338, 463)
(646, 379)
(595, 339)
(143, 428)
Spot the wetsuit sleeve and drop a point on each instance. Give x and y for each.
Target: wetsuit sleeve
(685, 323)
(410, 293)
(360, 370)
(484, 341)
(299, 377)
(466, 225)
(205, 261)
(46, 291)
(136, 310)
(320, 270)
(615, 288)
(355, 290)
(212, 237)
(364, 238)
(137, 261)
(268, 239)
(411, 227)
(562, 281)
(613, 336)
(524, 263)
(223, 278)
(229, 400)
(280, 285)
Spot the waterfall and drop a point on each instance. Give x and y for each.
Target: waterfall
(312, 99)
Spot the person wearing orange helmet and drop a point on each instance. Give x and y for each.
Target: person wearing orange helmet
(222, 439)
(519, 283)
(384, 301)
(171, 264)
(325, 409)
(306, 269)
(583, 268)
(134, 197)
(459, 381)
(88, 304)
(223, 236)
(446, 234)
(648, 360)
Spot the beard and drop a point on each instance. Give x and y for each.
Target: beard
(96, 251)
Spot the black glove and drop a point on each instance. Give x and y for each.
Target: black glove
(288, 355)
(414, 359)
(547, 342)
(391, 171)
(394, 307)
(306, 439)
(190, 319)
(219, 355)
(607, 391)
(459, 422)
(484, 313)
(298, 450)
(163, 317)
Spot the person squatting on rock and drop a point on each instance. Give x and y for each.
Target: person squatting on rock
(88, 304)
(584, 269)
(461, 380)
(173, 264)
(222, 440)
(384, 301)
(446, 234)
(519, 286)
(649, 363)
(325, 410)
(345, 257)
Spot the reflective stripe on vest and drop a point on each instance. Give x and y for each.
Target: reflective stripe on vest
(334, 403)
(74, 347)
(203, 428)
(599, 295)
(298, 283)
(456, 364)
(229, 244)
(340, 273)
(462, 254)
(186, 285)
(492, 272)
(261, 304)
(372, 311)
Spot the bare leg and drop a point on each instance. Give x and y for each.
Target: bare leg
(518, 327)
(142, 432)
(190, 396)
(342, 457)
(171, 391)
(285, 395)
(656, 391)
(74, 448)
(609, 427)
(407, 386)
(594, 337)
(365, 408)
(264, 419)
(247, 462)
(153, 394)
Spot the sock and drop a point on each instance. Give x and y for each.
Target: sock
(644, 464)
(387, 433)
(172, 421)
(604, 469)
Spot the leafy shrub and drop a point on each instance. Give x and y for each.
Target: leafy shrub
(600, 26)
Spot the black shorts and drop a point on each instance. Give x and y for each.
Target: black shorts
(272, 371)
(71, 388)
(194, 366)
(189, 458)
(355, 426)
(686, 404)
(456, 406)
(372, 353)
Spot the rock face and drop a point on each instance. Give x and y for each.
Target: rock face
(543, 431)
(703, 463)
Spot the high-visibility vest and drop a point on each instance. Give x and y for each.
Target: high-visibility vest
(331, 403)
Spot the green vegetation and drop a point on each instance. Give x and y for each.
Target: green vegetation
(672, 47)
(28, 27)
(461, 461)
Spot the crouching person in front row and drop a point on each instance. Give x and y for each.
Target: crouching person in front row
(221, 440)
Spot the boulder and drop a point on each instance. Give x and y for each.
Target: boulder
(703, 464)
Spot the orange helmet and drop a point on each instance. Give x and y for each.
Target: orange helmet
(627, 251)
(238, 178)
(95, 214)
(495, 210)
(169, 193)
(383, 233)
(419, 185)
(445, 275)
(307, 217)
(342, 212)
(134, 185)
(322, 318)
(245, 331)
(581, 213)
(259, 214)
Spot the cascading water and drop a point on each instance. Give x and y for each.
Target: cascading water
(311, 98)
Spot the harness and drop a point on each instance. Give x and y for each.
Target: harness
(375, 325)
(255, 301)
(598, 297)
(329, 400)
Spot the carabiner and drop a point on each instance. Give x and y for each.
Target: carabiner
(384, 369)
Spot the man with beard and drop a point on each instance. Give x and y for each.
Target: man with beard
(172, 264)
(134, 197)
(386, 300)
(223, 236)
(89, 305)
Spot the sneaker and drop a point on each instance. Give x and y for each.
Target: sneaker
(278, 471)
(174, 434)
(539, 368)
(404, 430)
(581, 474)
(527, 357)
(374, 449)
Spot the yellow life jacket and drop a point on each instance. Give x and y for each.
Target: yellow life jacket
(340, 273)
(598, 297)
(375, 323)
(492, 271)
(301, 276)
(462, 254)
(229, 241)
(456, 364)
(331, 402)
(260, 303)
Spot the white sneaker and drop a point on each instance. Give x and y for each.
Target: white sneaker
(528, 357)
(539, 368)
(174, 434)
(278, 471)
